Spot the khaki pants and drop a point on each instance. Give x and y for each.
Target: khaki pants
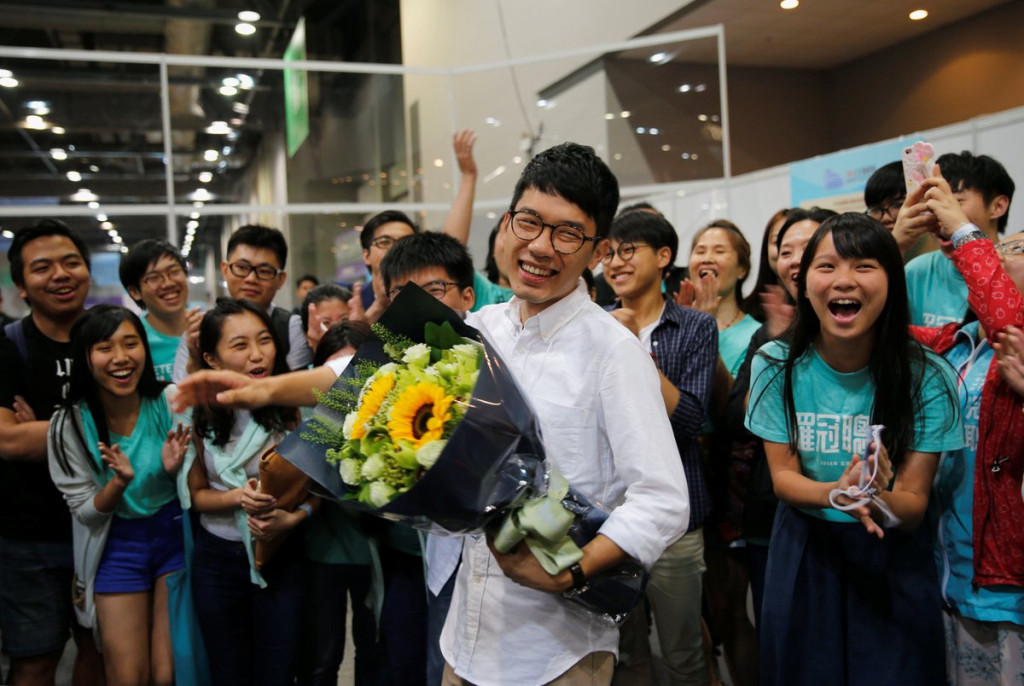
(594, 669)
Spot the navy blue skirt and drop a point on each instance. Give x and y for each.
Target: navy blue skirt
(842, 607)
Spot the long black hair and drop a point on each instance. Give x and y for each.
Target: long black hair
(898, 364)
(96, 325)
(766, 276)
(212, 421)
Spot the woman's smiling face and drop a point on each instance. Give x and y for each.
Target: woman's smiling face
(246, 346)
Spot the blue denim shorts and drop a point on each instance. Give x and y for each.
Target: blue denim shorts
(35, 596)
(139, 551)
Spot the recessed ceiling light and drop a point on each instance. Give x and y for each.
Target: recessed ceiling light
(58, 154)
(59, 130)
(105, 225)
(74, 176)
(93, 205)
(657, 57)
(102, 218)
(34, 121)
(245, 81)
(8, 234)
(542, 102)
(8, 82)
(624, 114)
(653, 131)
(205, 177)
(192, 224)
(666, 148)
(685, 88)
(218, 128)
(702, 117)
(700, 88)
(230, 81)
(245, 29)
(85, 195)
(124, 248)
(194, 215)
(6, 73)
(918, 15)
(789, 4)
(116, 239)
(227, 90)
(240, 107)
(211, 155)
(201, 194)
(248, 15)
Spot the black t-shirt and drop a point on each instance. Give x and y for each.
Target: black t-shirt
(31, 507)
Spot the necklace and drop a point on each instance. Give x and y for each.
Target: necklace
(739, 315)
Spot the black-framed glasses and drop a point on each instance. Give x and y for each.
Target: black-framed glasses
(565, 238)
(383, 242)
(264, 272)
(891, 210)
(156, 279)
(438, 289)
(625, 251)
(1011, 248)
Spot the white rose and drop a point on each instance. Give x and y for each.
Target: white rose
(373, 467)
(380, 494)
(349, 470)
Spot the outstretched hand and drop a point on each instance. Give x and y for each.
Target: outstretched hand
(118, 462)
(914, 219)
(219, 387)
(463, 142)
(778, 311)
(941, 201)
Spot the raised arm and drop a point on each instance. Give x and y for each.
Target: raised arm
(460, 216)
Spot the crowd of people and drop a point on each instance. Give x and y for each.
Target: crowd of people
(845, 444)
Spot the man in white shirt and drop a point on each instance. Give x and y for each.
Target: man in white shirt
(597, 395)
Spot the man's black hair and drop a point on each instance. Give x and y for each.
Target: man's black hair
(379, 220)
(642, 206)
(644, 227)
(307, 277)
(264, 237)
(576, 173)
(885, 185)
(317, 294)
(426, 250)
(966, 172)
(141, 257)
(41, 229)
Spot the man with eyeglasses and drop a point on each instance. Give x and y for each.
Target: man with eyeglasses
(155, 275)
(684, 345)
(884, 194)
(984, 190)
(253, 270)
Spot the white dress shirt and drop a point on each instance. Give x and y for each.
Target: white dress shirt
(604, 426)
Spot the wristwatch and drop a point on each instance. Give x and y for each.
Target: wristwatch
(965, 234)
(579, 581)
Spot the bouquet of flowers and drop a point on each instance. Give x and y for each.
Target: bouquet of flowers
(426, 426)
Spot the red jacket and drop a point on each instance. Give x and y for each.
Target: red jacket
(998, 512)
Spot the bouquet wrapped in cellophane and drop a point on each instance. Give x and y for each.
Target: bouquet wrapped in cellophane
(426, 426)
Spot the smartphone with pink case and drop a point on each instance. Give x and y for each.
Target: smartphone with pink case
(918, 161)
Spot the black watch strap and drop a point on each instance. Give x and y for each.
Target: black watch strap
(579, 580)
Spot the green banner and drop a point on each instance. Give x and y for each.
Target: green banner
(296, 91)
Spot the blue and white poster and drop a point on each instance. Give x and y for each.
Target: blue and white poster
(837, 181)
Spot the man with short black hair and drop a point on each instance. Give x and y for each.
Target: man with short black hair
(50, 267)
(937, 291)
(253, 270)
(155, 275)
(884, 193)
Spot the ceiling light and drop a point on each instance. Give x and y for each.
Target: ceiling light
(201, 194)
(624, 114)
(789, 4)
(700, 88)
(666, 148)
(542, 102)
(59, 130)
(236, 122)
(74, 176)
(8, 82)
(657, 57)
(245, 29)
(6, 73)
(693, 156)
(192, 226)
(105, 225)
(124, 248)
(918, 15)
(85, 195)
(702, 117)
(438, 162)
(609, 116)
(240, 107)
(517, 159)
(685, 155)
(8, 234)
(205, 177)
(93, 168)
(93, 205)
(197, 204)
(685, 88)
(653, 131)
(116, 239)
(641, 129)
(101, 218)
(34, 121)
(248, 15)
(230, 81)
(211, 155)
(218, 128)
(227, 91)
(245, 81)
(58, 154)
(194, 215)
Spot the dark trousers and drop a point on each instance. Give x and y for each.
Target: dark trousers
(438, 613)
(251, 633)
(403, 619)
(330, 586)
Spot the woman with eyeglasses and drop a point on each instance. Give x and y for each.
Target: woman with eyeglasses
(978, 487)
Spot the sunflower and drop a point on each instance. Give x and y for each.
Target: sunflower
(419, 414)
(371, 402)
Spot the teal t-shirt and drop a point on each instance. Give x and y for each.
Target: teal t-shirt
(936, 289)
(163, 349)
(954, 494)
(335, 537)
(488, 293)
(152, 487)
(733, 342)
(833, 412)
